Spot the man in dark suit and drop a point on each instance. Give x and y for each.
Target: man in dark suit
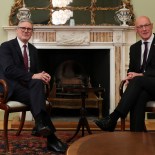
(140, 81)
(26, 82)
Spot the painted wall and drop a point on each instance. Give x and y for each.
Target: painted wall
(138, 7)
(143, 7)
(5, 8)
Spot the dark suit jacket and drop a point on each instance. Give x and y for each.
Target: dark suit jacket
(134, 96)
(135, 59)
(12, 63)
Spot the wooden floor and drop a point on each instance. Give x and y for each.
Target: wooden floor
(71, 125)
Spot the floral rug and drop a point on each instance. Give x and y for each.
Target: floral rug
(26, 144)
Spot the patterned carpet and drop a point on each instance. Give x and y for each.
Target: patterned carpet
(25, 144)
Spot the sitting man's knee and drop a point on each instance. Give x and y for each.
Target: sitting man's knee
(138, 80)
(37, 82)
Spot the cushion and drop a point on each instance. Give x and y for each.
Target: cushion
(15, 104)
(150, 104)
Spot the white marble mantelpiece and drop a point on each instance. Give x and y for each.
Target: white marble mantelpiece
(49, 35)
(72, 38)
(116, 38)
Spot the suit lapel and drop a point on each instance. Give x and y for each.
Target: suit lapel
(31, 55)
(138, 56)
(19, 52)
(152, 50)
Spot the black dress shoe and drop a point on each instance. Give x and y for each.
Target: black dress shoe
(106, 124)
(57, 145)
(41, 127)
(43, 130)
(35, 132)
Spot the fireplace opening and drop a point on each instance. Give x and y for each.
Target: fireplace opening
(96, 63)
(71, 73)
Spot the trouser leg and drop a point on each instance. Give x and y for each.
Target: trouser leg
(37, 96)
(137, 113)
(34, 96)
(132, 93)
(39, 102)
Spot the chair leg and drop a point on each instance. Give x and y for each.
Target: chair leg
(22, 121)
(5, 127)
(49, 108)
(145, 129)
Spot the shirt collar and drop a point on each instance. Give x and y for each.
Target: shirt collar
(149, 40)
(21, 43)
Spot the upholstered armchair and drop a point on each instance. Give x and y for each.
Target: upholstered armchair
(12, 107)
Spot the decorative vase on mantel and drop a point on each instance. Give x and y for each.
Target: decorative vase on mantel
(123, 15)
(23, 12)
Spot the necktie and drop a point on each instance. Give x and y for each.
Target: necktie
(144, 57)
(25, 58)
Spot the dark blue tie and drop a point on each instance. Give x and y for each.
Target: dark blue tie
(143, 67)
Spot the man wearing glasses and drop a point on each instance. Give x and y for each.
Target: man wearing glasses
(19, 66)
(140, 81)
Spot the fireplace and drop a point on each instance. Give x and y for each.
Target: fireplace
(111, 43)
(95, 62)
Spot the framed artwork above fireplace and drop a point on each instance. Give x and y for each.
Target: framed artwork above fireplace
(84, 12)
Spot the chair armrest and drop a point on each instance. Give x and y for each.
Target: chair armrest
(47, 90)
(121, 87)
(4, 93)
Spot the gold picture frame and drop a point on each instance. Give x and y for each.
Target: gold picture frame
(86, 12)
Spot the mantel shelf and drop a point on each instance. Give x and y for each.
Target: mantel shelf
(83, 27)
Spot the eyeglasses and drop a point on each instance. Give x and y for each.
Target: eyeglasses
(23, 29)
(143, 26)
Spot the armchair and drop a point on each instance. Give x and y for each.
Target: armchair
(150, 105)
(11, 107)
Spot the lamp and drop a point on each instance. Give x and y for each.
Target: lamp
(123, 15)
(23, 12)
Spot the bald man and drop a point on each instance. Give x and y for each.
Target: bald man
(140, 81)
